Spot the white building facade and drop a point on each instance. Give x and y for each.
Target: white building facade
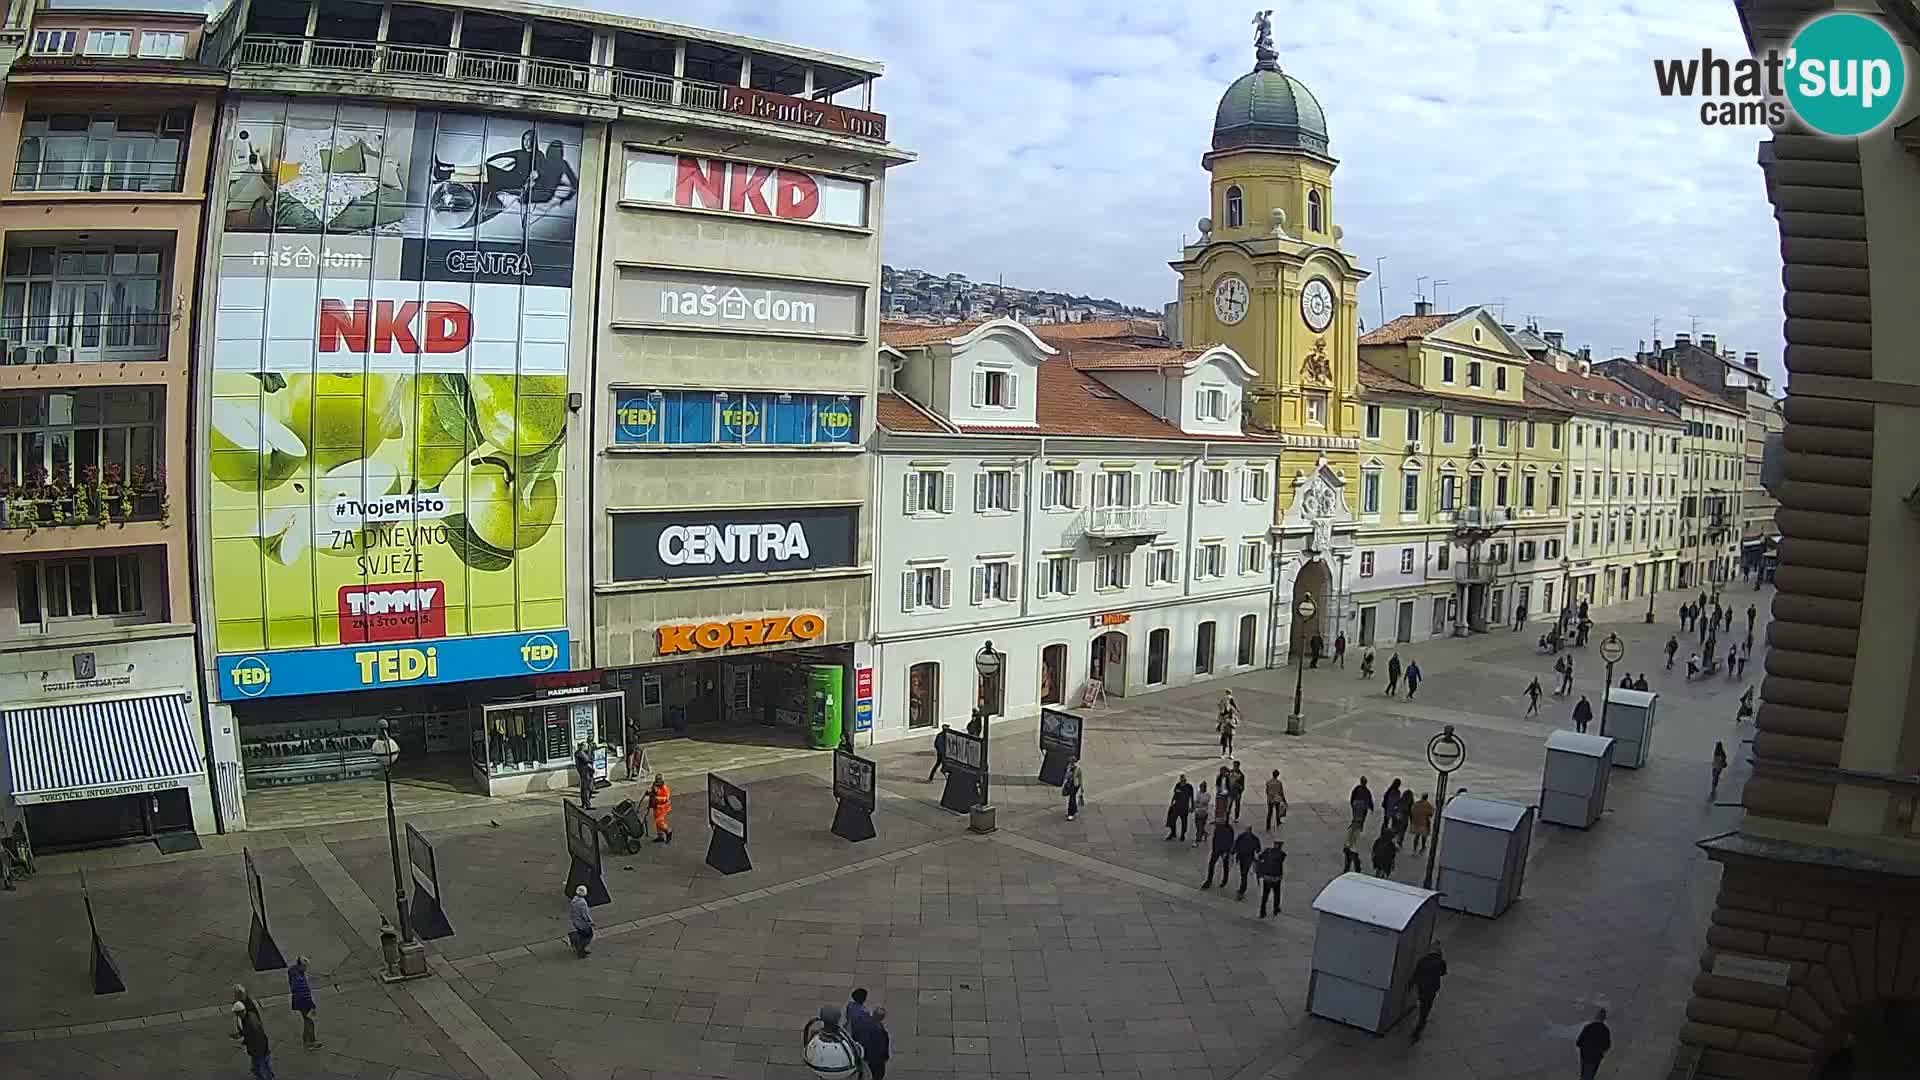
(1101, 519)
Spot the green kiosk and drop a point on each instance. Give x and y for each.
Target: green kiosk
(824, 701)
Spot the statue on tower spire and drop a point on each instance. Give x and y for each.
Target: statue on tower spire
(1264, 55)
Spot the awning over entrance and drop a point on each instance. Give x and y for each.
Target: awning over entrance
(96, 749)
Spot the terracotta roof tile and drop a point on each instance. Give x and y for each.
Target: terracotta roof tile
(1406, 328)
(902, 335)
(1097, 329)
(1594, 394)
(895, 413)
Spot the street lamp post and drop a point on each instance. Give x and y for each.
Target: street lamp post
(1296, 723)
(989, 664)
(407, 959)
(1653, 582)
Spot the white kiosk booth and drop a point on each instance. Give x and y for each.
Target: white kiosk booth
(1370, 933)
(1628, 718)
(1573, 786)
(1483, 854)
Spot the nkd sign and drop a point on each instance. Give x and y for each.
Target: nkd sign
(738, 187)
(660, 297)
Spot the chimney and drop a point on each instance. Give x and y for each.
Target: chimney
(1555, 338)
(1423, 307)
(1710, 343)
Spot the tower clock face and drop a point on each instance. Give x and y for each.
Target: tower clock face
(1230, 299)
(1316, 304)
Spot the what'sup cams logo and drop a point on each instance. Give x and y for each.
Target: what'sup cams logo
(1843, 75)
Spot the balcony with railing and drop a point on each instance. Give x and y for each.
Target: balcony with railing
(588, 67)
(1122, 525)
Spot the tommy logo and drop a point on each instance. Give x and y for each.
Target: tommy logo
(392, 612)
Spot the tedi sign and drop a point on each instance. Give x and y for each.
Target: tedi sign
(1843, 75)
(675, 544)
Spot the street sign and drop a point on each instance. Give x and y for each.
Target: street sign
(1445, 752)
(1612, 649)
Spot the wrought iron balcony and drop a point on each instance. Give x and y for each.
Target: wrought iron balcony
(592, 82)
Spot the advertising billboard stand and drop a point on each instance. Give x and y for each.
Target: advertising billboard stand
(583, 845)
(966, 760)
(261, 949)
(1061, 733)
(428, 915)
(727, 818)
(853, 792)
(106, 973)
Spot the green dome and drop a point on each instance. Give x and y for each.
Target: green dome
(1266, 107)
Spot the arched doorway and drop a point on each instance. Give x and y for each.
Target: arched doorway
(1107, 662)
(1315, 581)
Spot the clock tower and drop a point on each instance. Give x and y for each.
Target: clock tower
(1269, 278)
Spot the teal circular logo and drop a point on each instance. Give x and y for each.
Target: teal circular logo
(1845, 74)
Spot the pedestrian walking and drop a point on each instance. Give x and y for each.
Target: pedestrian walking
(1246, 848)
(940, 740)
(876, 1046)
(1745, 655)
(1393, 674)
(1533, 697)
(1594, 1042)
(1673, 646)
(1237, 788)
(1385, 850)
(1719, 766)
(1413, 679)
(1427, 974)
(1271, 868)
(1340, 648)
(1641, 682)
(1074, 789)
(1420, 821)
(1222, 855)
(1350, 849)
(660, 801)
(1276, 801)
(583, 769)
(253, 1037)
(1582, 714)
(1319, 645)
(300, 996)
(580, 922)
(1360, 801)
(1202, 806)
(1179, 806)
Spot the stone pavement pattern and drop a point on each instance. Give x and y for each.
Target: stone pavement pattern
(1050, 949)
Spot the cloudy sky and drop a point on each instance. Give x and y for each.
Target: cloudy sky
(1516, 150)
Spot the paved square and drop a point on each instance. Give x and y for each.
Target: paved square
(1047, 949)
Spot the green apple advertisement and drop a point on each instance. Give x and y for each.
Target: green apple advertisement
(389, 397)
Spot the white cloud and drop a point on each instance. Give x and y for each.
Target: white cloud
(1517, 150)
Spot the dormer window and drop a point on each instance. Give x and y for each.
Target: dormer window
(1211, 404)
(1315, 217)
(1236, 207)
(994, 388)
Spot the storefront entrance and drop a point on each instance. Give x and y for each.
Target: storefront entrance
(1107, 664)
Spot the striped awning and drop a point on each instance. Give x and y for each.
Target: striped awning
(93, 749)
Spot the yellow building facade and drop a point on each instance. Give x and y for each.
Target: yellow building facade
(1462, 492)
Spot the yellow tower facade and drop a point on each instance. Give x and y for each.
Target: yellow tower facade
(1269, 278)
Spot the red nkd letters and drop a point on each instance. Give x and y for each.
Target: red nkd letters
(388, 326)
(711, 184)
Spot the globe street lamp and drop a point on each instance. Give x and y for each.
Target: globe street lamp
(1305, 609)
(407, 959)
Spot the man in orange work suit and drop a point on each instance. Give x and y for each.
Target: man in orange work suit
(661, 800)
